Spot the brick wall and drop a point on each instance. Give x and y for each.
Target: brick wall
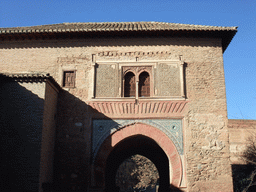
(240, 132)
(21, 119)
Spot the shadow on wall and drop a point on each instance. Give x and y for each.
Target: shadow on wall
(174, 189)
(171, 189)
(79, 166)
(21, 117)
(72, 162)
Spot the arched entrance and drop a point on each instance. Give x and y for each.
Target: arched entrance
(138, 144)
(137, 139)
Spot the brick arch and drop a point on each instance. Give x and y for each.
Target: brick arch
(132, 130)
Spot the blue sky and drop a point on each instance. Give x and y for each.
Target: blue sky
(239, 58)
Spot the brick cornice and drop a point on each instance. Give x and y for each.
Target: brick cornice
(141, 109)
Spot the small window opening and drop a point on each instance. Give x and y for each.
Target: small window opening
(144, 85)
(69, 79)
(129, 85)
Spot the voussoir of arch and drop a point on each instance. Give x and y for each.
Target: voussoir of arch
(140, 129)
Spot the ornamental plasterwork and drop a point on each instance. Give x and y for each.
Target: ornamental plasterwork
(133, 53)
(137, 69)
(139, 55)
(103, 128)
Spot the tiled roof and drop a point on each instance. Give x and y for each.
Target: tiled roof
(112, 26)
(28, 77)
(118, 29)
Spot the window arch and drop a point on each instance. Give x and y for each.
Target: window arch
(129, 85)
(144, 84)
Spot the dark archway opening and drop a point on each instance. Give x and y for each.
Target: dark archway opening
(141, 145)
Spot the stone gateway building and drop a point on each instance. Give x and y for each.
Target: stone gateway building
(77, 99)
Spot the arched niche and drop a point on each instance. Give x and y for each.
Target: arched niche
(144, 84)
(129, 84)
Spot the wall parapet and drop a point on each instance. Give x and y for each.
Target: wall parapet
(241, 124)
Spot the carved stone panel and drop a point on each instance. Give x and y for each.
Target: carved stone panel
(137, 69)
(167, 80)
(106, 81)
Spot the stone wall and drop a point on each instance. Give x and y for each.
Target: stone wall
(206, 134)
(206, 146)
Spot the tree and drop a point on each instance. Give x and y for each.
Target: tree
(249, 156)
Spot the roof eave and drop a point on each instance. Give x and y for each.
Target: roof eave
(225, 35)
(28, 77)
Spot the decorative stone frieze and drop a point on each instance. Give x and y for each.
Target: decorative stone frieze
(72, 59)
(141, 109)
(133, 53)
(137, 69)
